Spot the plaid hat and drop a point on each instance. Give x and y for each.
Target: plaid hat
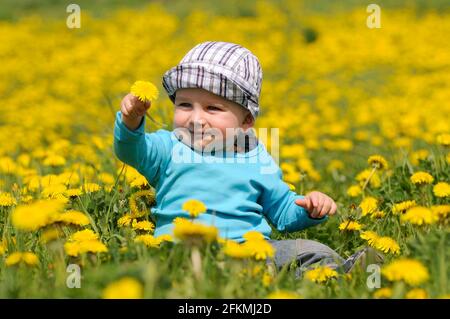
(225, 69)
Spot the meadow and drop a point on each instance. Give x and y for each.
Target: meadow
(361, 114)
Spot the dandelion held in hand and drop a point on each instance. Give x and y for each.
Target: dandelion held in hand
(146, 92)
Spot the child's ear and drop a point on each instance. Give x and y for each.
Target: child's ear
(248, 122)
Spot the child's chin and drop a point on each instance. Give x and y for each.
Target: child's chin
(207, 145)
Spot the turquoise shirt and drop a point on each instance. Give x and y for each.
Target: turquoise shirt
(242, 191)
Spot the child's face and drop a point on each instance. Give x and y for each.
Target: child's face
(202, 112)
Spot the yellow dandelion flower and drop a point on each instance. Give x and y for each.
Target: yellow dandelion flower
(417, 293)
(419, 215)
(350, 225)
(441, 189)
(335, 165)
(441, 211)
(383, 293)
(354, 191)
(26, 199)
(290, 173)
(367, 174)
(402, 207)
(73, 217)
(283, 294)
(73, 192)
(36, 215)
(421, 178)
(76, 248)
(53, 190)
(387, 245)
(125, 220)
(54, 160)
(147, 240)
(260, 249)
(236, 250)
(145, 91)
(72, 249)
(28, 258)
(6, 199)
(321, 274)
(13, 259)
(443, 139)
(135, 212)
(83, 235)
(139, 181)
(368, 205)
(419, 155)
(50, 235)
(411, 271)
(91, 187)
(125, 288)
(93, 246)
(378, 162)
(106, 178)
(7, 165)
(378, 214)
(194, 232)
(180, 220)
(194, 207)
(370, 236)
(143, 225)
(253, 235)
(165, 237)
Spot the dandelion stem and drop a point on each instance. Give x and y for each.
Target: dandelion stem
(368, 178)
(196, 260)
(154, 121)
(88, 215)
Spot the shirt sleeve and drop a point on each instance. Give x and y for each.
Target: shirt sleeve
(148, 153)
(279, 206)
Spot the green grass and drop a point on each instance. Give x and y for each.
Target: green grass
(15, 9)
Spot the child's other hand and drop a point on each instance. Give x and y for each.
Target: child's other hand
(132, 108)
(317, 204)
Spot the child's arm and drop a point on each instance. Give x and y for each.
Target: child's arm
(133, 111)
(279, 206)
(147, 153)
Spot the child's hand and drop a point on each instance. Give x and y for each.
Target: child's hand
(132, 107)
(133, 110)
(317, 204)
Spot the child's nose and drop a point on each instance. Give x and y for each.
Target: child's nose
(197, 118)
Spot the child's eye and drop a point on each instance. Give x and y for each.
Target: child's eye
(214, 108)
(184, 105)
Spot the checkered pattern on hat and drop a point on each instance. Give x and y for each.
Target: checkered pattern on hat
(226, 69)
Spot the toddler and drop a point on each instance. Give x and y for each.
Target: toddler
(213, 155)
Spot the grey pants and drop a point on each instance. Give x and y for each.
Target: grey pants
(306, 253)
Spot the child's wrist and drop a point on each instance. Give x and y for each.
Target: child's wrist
(132, 123)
